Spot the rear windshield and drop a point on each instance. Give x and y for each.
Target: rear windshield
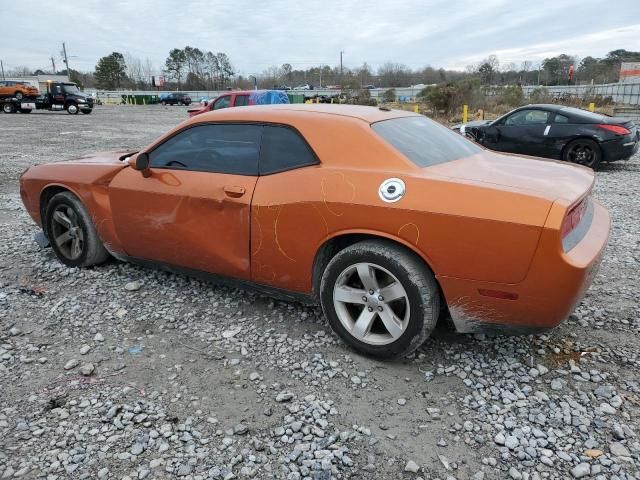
(582, 116)
(424, 141)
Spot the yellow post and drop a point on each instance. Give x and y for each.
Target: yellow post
(465, 113)
(415, 109)
(592, 107)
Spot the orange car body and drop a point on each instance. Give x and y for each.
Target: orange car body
(490, 226)
(10, 88)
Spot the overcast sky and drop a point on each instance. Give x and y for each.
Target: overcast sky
(257, 34)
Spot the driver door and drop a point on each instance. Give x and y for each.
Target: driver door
(523, 132)
(193, 210)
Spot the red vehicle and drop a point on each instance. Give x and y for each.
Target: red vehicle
(242, 98)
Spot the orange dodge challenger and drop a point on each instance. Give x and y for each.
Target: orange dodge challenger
(386, 217)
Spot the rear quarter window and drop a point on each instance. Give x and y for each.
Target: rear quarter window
(283, 149)
(423, 141)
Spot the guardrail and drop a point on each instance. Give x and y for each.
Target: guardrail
(115, 97)
(621, 93)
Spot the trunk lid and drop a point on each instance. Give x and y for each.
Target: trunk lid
(546, 179)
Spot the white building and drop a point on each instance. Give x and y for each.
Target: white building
(630, 72)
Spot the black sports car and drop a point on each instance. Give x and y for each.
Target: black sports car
(554, 131)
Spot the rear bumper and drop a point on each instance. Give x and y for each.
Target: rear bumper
(620, 149)
(555, 284)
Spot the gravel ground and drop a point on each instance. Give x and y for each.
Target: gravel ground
(122, 372)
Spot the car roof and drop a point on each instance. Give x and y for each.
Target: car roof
(543, 106)
(292, 111)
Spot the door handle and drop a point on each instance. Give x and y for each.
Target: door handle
(234, 190)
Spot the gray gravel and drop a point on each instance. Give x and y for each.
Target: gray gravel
(119, 372)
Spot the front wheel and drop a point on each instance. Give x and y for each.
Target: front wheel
(380, 298)
(72, 109)
(8, 108)
(583, 152)
(71, 232)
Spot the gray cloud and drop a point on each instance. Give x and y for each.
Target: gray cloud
(257, 35)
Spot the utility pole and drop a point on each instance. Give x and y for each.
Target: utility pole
(2, 68)
(53, 65)
(341, 52)
(66, 61)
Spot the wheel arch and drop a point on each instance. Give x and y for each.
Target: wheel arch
(582, 136)
(341, 240)
(48, 193)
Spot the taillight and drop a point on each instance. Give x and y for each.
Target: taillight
(573, 218)
(617, 129)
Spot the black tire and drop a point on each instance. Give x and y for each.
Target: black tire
(8, 107)
(164, 104)
(72, 109)
(25, 110)
(583, 151)
(19, 96)
(86, 111)
(422, 295)
(92, 251)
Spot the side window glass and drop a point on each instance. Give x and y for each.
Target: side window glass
(561, 119)
(232, 149)
(528, 117)
(283, 149)
(241, 100)
(222, 102)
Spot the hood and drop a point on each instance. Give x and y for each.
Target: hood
(102, 158)
(547, 179)
(475, 123)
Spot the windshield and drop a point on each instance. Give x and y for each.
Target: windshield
(71, 88)
(424, 141)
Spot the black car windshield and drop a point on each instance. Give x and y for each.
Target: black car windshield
(424, 141)
(70, 88)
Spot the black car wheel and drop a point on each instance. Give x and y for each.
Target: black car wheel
(8, 108)
(583, 152)
(380, 298)
(72, 109)
(19, 96)
(71, 232)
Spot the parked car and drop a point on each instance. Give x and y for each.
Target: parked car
(383, 216)
(174, 98)
(555, 131)
(242, 98)
(17, 90)
(306, 86)
(281, 87)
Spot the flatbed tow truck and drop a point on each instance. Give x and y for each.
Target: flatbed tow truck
(59, 96)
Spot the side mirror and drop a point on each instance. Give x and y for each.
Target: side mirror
(142, 164)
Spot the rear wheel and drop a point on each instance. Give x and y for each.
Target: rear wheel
(380, 298)
(25, 110)
(583, 152)
(86, 111)
(8, 108)
(18, 95)
(71, 232)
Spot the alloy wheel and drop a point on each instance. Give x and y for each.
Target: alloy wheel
(581, 153)
(67, 232)
(371, 304)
